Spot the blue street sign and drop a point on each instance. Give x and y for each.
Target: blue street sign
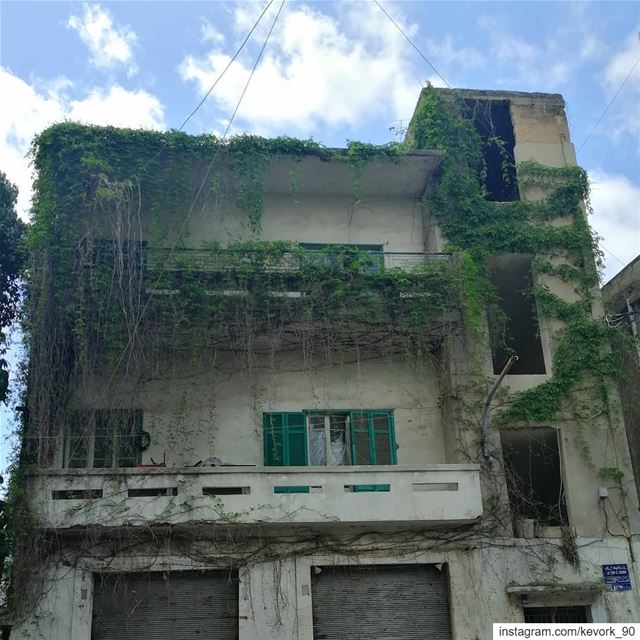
(617, 576)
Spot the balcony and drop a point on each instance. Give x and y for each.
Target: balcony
(300, 296)
(241, 260)
(381, 497)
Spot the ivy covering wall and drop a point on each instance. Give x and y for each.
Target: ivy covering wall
(116, 291)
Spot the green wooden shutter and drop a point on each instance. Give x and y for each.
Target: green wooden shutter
(296, 440)
(372, 437)
(285, 439)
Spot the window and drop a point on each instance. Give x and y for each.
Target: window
(519, 332)
(534, 479)
(104, 438)
(319, 438)
(344, 255)
(556, 615)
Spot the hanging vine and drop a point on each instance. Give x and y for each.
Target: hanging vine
(119, 289)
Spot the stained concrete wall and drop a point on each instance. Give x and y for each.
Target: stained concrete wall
(276, 595)
(479, 578)
(394, 223)
(199, 411)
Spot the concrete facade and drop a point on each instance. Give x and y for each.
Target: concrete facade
(440, 491)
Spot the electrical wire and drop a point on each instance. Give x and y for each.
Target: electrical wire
(408, 39)
(231, 61)
(216, 81)
(255, 66)
(195, 199)
(615, 95)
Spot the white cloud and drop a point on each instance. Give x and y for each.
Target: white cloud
(541, 65)
(118, 107)
(625, 117)
(322, 70)
(28, 110)
(616, 218)
(210, 33)
(110, 45)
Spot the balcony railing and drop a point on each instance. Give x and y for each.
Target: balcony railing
(203, 260)
(433, 495)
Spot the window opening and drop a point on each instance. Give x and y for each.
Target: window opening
(492, 121)
(104, 438)
(534, 477)
(518, 332)
(328, 436)
(556, 615)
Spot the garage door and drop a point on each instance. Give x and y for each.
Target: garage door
(395, 602)
(181, 605)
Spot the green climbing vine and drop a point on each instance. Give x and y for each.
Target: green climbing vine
(482, 228)
(120, 289)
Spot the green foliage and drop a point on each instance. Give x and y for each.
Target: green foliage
(12, 231)
(611, 473)
(482, 228)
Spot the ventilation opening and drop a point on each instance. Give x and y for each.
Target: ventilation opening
(492, 121)
(153, 492)
(518, 332)
(366, 488)
(225, 491)
(534, 479)
(435, 486)
(77, 494)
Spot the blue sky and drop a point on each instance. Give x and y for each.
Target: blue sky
(334, 71)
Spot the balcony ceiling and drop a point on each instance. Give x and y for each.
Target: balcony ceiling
(402, 177)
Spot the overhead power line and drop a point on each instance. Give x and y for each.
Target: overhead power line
(255, 66)
(615, 95)
(216, 81)
(410, 41)
(231, 61)
(198, 192)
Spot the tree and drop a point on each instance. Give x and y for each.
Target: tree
(12, 231)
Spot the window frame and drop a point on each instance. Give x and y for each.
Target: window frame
(326, 414)
(371, 430)
(86, 418)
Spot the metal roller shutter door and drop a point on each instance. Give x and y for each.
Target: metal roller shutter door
(180, 605)
(396, 602)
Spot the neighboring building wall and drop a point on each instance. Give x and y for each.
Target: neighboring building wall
(622, 296)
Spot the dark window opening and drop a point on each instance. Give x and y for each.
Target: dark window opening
(153, 492)
(517, 331)
(492, 121)
(226, 491)
(76, 494)
(534, 478)
(556, 615)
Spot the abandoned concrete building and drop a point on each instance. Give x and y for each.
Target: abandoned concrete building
(279, 391)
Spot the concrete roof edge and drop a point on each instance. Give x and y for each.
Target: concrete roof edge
(498, 93)
(611, 283)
